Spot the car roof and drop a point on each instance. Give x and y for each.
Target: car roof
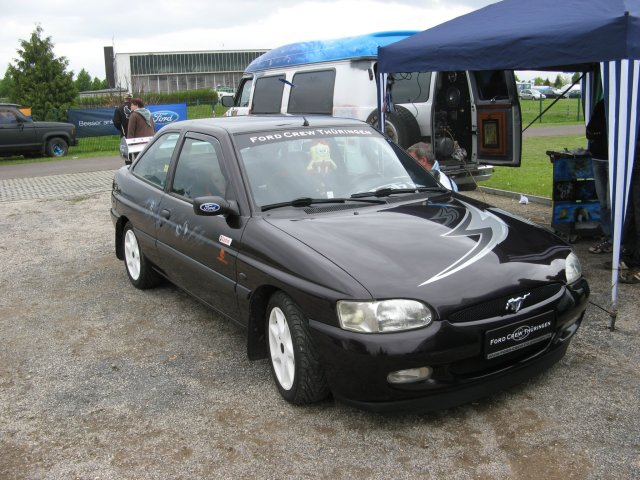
(253, 123)
(2, 104)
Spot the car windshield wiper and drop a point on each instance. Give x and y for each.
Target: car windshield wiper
(385, 192)
(307, 201)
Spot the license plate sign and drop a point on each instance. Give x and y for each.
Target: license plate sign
(514, 337)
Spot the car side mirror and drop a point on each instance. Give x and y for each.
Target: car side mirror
(226, 101)
(214, 206)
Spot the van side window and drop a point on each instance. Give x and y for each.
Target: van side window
(313, 92)
(267, 94)
(245, 93)
(411, 87)
(492, 84)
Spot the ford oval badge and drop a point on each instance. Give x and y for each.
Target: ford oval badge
(210, 207)
(164, 116)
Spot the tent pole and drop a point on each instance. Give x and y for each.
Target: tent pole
(612, 319)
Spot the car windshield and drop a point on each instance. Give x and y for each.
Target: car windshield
(333, 163)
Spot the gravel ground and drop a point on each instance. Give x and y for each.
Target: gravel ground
(99, 380)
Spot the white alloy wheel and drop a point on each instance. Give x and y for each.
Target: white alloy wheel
(281, 349)
(132, 254)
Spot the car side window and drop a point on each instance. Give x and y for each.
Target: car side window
(153, 165)
(199, 172)
(7, 117)
(267, 94)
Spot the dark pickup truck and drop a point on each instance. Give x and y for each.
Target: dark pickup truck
(19, 135)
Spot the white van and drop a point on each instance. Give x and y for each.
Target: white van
(472, 119)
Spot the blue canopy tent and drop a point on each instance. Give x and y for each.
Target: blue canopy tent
(578, 35)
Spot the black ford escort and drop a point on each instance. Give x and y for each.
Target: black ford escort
(350, 267)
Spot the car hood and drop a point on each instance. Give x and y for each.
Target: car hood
(442, 253)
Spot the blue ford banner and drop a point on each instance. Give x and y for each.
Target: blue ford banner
(93, 122)
(97, 122)
(165, 114)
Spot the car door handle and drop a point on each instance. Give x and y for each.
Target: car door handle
(166, 214)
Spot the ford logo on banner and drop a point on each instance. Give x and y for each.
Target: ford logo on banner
(165, 114)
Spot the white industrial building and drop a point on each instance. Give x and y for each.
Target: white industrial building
(167, 72)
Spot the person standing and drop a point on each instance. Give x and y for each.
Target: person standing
(140, 121)
(121, 115)
(422, 152)
(598, 146)
(630, 255)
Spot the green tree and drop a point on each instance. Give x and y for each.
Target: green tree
(547, 83)
(83, 82)
(559, 81)
(538, 81)
(575, 77)
(4, 86)
(98, 84)
(40, 80)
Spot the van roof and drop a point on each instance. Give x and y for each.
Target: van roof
(327, 50)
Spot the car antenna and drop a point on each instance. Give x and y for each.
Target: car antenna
(306, 122)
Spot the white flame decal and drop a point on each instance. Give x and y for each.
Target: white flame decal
(491, 231)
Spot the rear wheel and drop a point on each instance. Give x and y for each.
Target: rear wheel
(295, 365)
(139, 270)
(57, 147)
(400, 125)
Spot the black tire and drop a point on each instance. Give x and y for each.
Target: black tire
(295, 365)
(56, 147)
(467, 187)
(401, 126)
(139, 270)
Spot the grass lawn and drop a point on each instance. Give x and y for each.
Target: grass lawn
(535, 175)
(564, 111)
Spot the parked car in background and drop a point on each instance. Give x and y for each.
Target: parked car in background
(20, 135)
(350, 268)
(549, 92)
(571, 91)
(530, 94)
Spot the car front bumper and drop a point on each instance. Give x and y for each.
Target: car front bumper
(357, 365)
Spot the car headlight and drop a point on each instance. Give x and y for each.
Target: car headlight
(383, 316)
(572, 268)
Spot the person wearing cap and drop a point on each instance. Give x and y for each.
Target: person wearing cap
(122, 114)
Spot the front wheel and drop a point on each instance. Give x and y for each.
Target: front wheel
(295, 365)
(139, 270)
(57, 147)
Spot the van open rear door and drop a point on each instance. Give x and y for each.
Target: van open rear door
(497, 120)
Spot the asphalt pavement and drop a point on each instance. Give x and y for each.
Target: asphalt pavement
(60, 167)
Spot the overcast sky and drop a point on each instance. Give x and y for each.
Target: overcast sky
(81, 29)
